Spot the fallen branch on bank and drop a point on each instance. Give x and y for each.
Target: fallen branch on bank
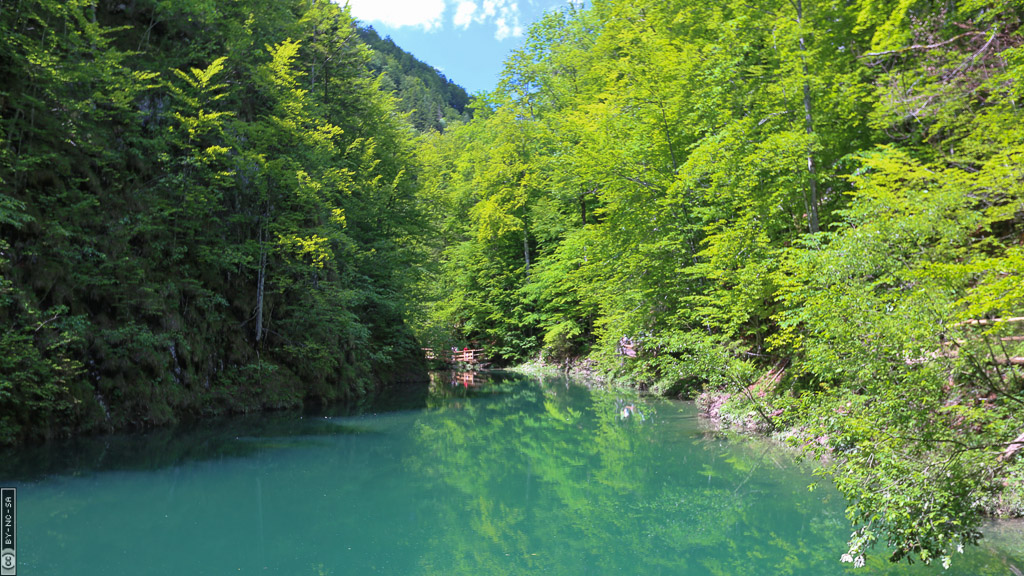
(948, 347)
(1012, 449)
(987, 321)
(998, 360)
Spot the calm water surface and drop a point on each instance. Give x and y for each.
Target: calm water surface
(509, 476)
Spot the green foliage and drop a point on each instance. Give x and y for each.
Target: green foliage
(878, 314)
(206, 208)
(38, 363)
(813, 208)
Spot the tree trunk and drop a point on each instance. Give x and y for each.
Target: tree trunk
(312, 59)
(526, 251)
(260, 282)
(812, 176)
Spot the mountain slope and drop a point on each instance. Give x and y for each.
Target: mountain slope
(432, 100)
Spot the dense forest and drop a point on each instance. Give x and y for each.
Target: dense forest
(807, 214)
(205, 207)
(811, 211)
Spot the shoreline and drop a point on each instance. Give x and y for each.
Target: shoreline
(1008, 505)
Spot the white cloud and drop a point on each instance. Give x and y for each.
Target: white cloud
(508, 20)
(464, 14)
(424, 14)
(503, 13)
(430, 14)
(490, 8)
(506, 30)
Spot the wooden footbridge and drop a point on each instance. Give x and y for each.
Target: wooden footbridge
(471, 356)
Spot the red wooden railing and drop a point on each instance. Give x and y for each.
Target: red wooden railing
(465, 355)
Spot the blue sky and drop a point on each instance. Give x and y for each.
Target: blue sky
(467, 40)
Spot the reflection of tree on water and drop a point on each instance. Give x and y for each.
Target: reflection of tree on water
(547, 479)
(552, 479)
(506, 477)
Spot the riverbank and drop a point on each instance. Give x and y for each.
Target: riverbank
(582, 368)
(725, 410)
(269, 387)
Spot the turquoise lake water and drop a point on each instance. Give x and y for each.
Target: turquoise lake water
(506, 476)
